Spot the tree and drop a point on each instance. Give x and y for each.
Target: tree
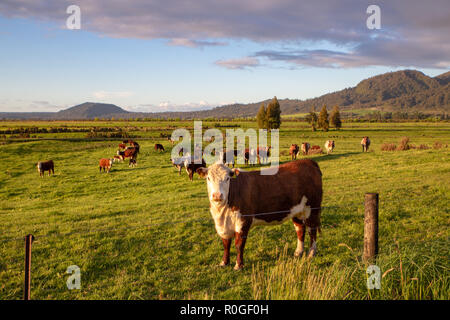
(323, 122)
(311, 118)
(261, 117)
(335, 118)
(273, 114)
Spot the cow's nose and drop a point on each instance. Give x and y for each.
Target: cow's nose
(217, 196)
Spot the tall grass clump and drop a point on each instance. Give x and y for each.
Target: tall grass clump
(410, 273)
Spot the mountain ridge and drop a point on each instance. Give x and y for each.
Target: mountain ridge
(404, 90)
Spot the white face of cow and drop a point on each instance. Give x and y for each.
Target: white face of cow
(218, 178)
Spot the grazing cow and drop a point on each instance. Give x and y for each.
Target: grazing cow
(305, 148)
(329, 146)
(365, 142)
(105, 164)
(178, 163)
(135, 145)
(43, 166)
(131, 153)
(263, 154)
(118, 158)
(241, 200)
(191, 166)
(159, 147)
(228, 157)
(293, 150)
(250, 156)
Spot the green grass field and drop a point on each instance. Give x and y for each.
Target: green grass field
(146, 233)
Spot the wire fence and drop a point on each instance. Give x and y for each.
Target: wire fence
(47, 265)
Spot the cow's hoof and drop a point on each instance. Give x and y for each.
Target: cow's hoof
(311, 253)
(298, 254)
(223, 264)
(238, 267)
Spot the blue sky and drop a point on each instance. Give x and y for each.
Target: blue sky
(46, 67)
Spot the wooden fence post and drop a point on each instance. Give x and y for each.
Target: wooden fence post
(28, 241)
(370, 227)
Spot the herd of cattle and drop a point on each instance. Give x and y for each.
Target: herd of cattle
(130, 149)
(240, 200)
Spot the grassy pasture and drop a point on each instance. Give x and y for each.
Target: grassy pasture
(146, 233)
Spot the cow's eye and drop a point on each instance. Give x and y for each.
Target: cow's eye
(208, 179)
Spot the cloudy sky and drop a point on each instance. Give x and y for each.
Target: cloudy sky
(154, 55)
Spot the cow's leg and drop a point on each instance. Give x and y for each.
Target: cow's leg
(226, 252)
(300, 229)
(313, 242)
(239, 242)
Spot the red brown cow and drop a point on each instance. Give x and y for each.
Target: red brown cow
(131, 153)
(305, 148)
(365, 142)
(293, 150)
(43, 166)
(105, 164)
(159, 147)
(240, 200)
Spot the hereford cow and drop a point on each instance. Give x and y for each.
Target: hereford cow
(329, 146)
(191, 166)
(305, 148)
(250, 156)
(293, 150)
(43, 166)
(105, 164)
(263, 154)
(159, 147)
(228, 157)
(131, 153)
(365, 142)
(241, 200)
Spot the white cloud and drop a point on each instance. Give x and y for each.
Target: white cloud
(240, 63)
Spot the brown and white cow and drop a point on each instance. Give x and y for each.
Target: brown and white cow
(130, 152)
(305, 148)
(105, 164)
(365, 142)
(241, 200)
(329, 146)
(263, 154)
(43, 166)
(293, 150)
(191, 166)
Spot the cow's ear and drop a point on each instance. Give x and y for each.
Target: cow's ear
(202, 172)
